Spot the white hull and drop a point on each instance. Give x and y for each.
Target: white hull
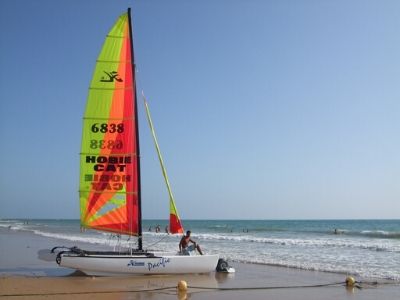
(161, 263)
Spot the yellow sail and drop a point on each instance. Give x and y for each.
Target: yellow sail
(175, 225)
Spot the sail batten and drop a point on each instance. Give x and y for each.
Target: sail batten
(103, 192)
(107, 89)
(114, 61)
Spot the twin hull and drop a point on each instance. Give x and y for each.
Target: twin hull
(139, 264)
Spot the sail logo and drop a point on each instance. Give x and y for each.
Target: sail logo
(109, 172)
(134, 263)
(111, 77)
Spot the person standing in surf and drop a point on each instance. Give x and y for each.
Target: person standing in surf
(184, 246)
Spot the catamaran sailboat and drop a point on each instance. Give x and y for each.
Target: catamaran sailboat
(110, 195)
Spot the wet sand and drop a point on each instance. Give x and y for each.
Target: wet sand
(24, 276)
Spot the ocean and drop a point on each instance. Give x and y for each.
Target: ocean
(365, 248)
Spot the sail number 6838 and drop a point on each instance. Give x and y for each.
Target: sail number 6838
(102, 144)
(105, 127)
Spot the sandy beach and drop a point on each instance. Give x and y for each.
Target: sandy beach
(24, 276)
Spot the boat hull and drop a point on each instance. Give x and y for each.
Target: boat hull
(116, 264)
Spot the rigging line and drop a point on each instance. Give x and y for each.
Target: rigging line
(86, 293)
(357, 285)
(157, 241)
(194, 287)
(268, 287)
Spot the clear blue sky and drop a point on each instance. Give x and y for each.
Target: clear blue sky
(263, 109)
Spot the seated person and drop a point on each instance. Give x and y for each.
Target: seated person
(184, 247)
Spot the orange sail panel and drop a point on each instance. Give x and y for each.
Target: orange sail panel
(109, 175)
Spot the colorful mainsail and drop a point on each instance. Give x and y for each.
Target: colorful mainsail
(175, 225)
(109, 176)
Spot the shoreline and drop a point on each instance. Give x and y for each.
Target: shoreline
(30, 245)
(24, 276)
(369, 250)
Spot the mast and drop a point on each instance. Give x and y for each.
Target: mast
(139, 199)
